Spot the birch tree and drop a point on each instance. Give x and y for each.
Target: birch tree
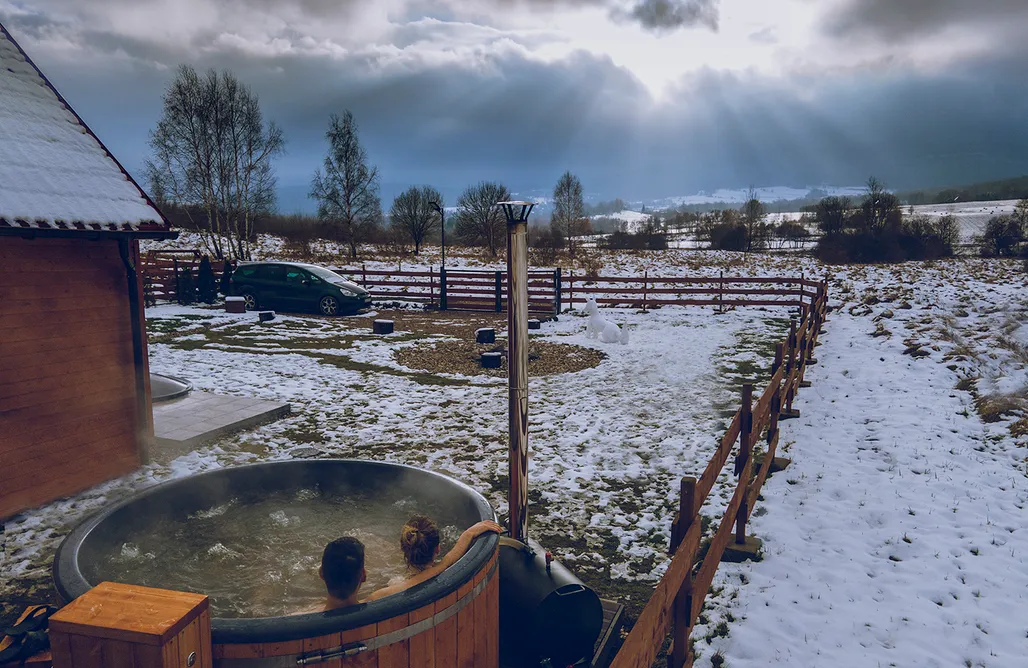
(347, 191)
(568, 220)
(212, 155)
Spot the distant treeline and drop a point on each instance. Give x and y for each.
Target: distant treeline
(1014, 188)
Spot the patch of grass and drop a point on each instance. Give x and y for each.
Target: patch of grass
(967, 384)
(995, 408)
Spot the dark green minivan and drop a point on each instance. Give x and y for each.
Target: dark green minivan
(293, 286)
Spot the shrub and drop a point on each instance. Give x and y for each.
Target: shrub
(186, 287)
(925, 239)
(206, 285)
(790, 232)
(545, 245)
(226, 276)
(918, 237)
(620, 240)
(727, 236)
(1002, 238)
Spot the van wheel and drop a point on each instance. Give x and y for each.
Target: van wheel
(329, 305)
(250, 300)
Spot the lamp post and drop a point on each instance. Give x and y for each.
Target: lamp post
(517, 362)
(442, 227)
(442, 269)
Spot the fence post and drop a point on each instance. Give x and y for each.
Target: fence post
(745, 451)
(431, 285)
(803, 289)
(802, 361)
(646, 285)
(558, 307)
(790, 367)
(178, 293)
(776, 397)
(364, 276)
(721, 292)
(442, 288)
(499, 291)
(682, 610)
(571, 288)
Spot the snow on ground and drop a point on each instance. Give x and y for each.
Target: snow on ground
(898, 536)
(608, 443)
(634, 219)
(971, 216)
(736, 196)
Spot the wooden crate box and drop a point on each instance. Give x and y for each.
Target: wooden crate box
(125, 626)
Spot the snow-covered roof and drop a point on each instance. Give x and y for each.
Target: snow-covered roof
(54, 172)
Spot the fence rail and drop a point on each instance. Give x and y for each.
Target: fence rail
(720, 291)
(677, 600)
(550, 291)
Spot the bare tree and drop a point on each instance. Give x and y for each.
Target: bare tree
(831, 214)
(212, 157)
(347, 192)
(754, 217)
(880, 208)
(568, 220)
(479, 220)
(412, 212)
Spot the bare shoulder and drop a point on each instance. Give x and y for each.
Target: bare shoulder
(310, 609)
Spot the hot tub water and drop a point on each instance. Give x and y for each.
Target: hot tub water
(261, 559)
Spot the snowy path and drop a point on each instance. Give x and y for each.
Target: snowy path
(894, 539)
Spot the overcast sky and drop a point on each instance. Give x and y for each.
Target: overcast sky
(640, 98)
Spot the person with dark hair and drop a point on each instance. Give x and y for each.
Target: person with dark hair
(342, 570)
(419, 541)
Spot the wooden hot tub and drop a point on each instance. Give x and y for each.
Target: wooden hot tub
(450, 620)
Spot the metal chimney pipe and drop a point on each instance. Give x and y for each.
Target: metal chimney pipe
(517, 363)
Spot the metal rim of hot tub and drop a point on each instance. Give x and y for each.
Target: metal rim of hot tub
(71, 582)
(186, 388)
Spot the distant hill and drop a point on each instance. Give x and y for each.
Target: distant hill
(1013, 188)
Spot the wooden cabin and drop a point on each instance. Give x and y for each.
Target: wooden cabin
(74, 382)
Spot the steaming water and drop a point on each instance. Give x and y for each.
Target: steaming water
(261, 559)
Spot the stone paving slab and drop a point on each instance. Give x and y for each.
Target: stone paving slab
(182, 424)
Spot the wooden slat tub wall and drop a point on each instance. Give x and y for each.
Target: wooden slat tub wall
(468, 639)
(67, 385)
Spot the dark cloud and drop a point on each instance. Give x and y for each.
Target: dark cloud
(890, 20)
(674, 14)
(654, 15)
(506, 116)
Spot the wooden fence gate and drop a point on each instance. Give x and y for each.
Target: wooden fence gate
(162, 271)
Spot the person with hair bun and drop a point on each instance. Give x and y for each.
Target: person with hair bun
(419, 541)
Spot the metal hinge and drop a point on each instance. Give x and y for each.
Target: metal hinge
(341, 652)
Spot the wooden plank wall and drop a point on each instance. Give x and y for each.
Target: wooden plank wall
(67, 385)
(468, 639)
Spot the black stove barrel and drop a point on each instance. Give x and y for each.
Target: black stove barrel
(546, 613)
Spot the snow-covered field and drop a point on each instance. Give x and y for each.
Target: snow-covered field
(897, 537)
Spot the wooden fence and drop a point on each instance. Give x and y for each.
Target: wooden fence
(720, 291)
(678, 598)
(161, 271)
(550, 291)
(457, 289)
